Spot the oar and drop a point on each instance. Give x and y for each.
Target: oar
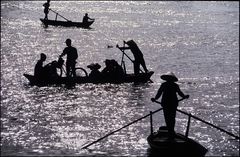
(59, 14)
(131, 60)
(237, 137)
(120, 129)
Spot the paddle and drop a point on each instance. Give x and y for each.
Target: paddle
(131, 59)
(237, 137)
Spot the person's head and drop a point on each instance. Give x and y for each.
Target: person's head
(86, 14)
(43, 57)
(131, 43)
(48, 1)
(107, 62)
(169, 77)
(68, 42)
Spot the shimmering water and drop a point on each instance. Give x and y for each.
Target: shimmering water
(198, 41)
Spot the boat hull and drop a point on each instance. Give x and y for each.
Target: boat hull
(179, 146)
(128, 78)
(47, 22)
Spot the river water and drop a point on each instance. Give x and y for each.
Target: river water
(198, 41)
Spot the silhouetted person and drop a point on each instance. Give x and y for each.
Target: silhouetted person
(72, 56)
(139, 60)
(50, 70)
(169, 90)
(108, 70)
(118, 71)
(46, 8)
(86, 18)
(39, 69)
(95, 74)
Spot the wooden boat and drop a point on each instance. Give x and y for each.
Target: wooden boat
(179, 146)
(47, 22)
(128, 78)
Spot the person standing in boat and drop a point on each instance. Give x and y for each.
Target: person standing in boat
(86, 18)
(138, 55)
(168, 90)
(39, 69)
(72, 56)
(46, 8)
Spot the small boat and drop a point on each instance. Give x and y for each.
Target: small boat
(128, 78)
(47, 22)
(179, 146)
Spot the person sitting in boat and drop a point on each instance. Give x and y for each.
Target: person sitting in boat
(95, 74)
(169, 90)
(118, 71)
(46, 8)
(108, 70)
(113, 71)
(138, 55)
(39, 70)
(50, 70)
(86, 18)
(72, 56)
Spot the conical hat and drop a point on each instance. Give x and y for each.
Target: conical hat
(169, 76)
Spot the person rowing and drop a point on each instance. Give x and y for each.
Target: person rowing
(46, 9)
(86, 18)
(138, 55)
(169, 90)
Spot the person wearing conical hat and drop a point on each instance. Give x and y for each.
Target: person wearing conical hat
(138, 56)
(169, 90)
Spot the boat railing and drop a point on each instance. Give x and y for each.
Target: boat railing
(190, 116)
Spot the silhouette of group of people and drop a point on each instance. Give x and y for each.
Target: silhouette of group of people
(168, 90)
(112, 71)
(49, 71)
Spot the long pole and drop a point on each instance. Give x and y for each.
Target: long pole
(227, 132)
(58, 14)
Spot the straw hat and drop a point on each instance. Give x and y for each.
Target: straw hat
(94, 66)
(169, 76)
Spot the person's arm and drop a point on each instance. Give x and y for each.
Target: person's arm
(63, 53)
(122, 48)
(90, 18)
(181, 93)
(159, 93)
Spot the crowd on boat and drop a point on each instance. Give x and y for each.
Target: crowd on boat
(111, 71)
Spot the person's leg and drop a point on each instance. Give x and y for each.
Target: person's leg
(68, 69)
(73, 69)
(169, 116)
(144, 65)
(136, 67)
(172, 116)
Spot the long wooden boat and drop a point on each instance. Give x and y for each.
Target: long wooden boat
(179, 146)
(47, 22)
(128, 78)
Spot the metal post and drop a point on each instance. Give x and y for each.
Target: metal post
(56, 16)
(151, 126)
(188, 125)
